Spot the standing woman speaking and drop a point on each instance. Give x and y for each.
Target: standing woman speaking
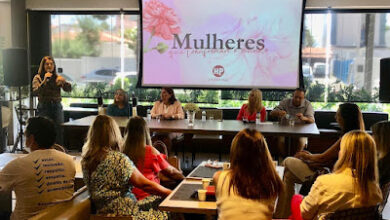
(47, 86)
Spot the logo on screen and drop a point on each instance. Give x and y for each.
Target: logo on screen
(218, 71)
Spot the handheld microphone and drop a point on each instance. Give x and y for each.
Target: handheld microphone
(48, 79)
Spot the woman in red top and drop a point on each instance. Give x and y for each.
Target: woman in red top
(148, 160)
(248, 111)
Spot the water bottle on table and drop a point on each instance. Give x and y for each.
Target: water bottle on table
(148, 115)
(258, 121)
(203, 115)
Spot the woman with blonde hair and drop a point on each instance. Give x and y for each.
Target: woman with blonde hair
(303, 165)
(381, 135)
(110, 175)
(149, 160)
(248, 111)
(121, 106)
(251, 185)
(353, 183)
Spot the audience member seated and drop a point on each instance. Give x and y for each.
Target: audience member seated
(353, 183)
(43, 177)
(148, 160)
(298, 109)
(304, 165)
(168, 107)
(110, 175)
(249, 111)
(121, 106)
(250, 187)
(381, 134)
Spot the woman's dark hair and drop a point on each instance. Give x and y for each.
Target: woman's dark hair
(43, 130)
(352, 117)
(170, 92)
(253, 174)
(41, 70)
(125, 99)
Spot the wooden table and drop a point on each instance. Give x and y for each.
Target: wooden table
(78, 112)
(279, 169)
(198, 207)
(225, 127)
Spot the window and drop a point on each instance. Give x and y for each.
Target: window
(343, 50)
(5, 39)
(93, 51)
(340, 59)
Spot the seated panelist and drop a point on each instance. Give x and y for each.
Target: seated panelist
(249, 111)
(168, 107)
(121, 106)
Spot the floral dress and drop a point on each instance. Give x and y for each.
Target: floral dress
(110, 190)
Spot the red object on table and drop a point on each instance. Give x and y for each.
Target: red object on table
(210, 191)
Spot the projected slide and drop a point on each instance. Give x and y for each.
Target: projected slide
(221, 43)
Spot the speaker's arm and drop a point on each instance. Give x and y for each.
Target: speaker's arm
(37, 84)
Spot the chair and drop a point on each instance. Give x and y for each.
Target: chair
(77, 208)
(160, 146)
(363, 213)
(105, 217)
(172, 160)
(385, 194)
(208, 139)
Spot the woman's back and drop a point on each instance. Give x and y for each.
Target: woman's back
(109, 185)
(233, 206)
(150, 167)
(337, 191)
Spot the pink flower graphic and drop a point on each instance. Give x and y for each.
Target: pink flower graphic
(160, 20)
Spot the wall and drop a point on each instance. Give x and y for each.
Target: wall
(133, 4)
(348, 4)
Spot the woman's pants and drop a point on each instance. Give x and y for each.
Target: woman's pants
(295, 171)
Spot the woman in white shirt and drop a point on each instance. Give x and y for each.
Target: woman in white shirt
(353, 183)
(250, 187)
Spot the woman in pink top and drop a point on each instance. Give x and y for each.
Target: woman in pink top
(248, 111)
(168, 107)
(148, 160)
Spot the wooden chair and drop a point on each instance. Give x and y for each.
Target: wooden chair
(160, 146)
(104, 217)
(385, 194)
(208, 139)
(77, 208)
(363, 213)
(172, 160)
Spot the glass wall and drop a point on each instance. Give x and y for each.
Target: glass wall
(95, 52)
(341, 54)
(340, 59)
(5, 39)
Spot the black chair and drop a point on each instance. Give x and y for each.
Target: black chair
(364, 213)
(385, 194)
